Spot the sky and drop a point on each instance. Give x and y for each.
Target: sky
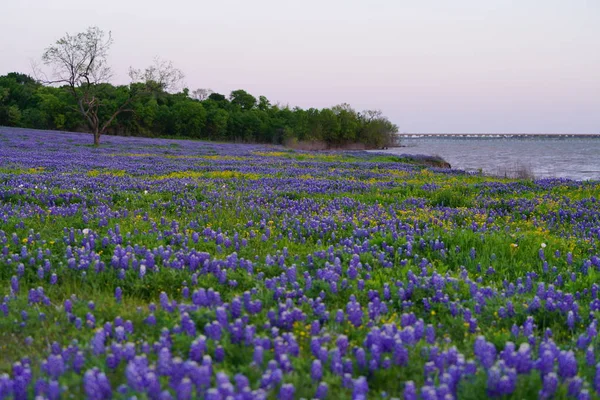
(454, 66)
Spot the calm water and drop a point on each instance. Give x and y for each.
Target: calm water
(545, 157)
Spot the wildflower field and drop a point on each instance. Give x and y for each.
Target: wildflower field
(166, 269)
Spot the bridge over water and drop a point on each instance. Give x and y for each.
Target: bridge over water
(499, 135)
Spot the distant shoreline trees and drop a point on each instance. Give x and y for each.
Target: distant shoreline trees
(79, 97)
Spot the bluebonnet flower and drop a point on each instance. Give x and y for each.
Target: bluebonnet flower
(257, 358)
(322, 390)
(118, 294)
(567, 364)
(287, 392)
(575, 386)
(360, 388)
(549, 386)
(316, 371)
(590, 357)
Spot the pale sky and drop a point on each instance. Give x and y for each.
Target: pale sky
(430, 65)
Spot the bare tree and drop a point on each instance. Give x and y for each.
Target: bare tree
(342, 107)
(371, 115)
(79, 62)
(201, 94)
(161, 72)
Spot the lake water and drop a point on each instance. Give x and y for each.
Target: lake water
(543, 156)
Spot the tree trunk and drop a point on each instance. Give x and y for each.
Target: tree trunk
(96, 138)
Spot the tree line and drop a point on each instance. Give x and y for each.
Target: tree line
(79, 97)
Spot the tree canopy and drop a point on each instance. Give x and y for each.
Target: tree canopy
(24, 102)
(79, 97)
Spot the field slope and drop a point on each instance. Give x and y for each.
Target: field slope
(182, 269)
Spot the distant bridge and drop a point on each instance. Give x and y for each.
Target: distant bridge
(499, 135)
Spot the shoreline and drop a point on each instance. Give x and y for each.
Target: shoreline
(318, 145)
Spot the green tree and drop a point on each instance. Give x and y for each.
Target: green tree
(376, 130)
(190, 118)
(13, 115)
(330, 125)
(145, 111)
(242, 99)
(263, 103)
(349, 123)
(216, 123)
(218, 97)
(17, 94)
